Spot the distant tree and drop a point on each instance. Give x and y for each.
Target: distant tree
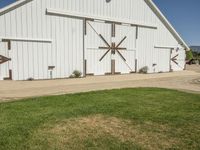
(189, 55)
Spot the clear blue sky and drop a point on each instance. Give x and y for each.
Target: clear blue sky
(184, 15)
(5, 2)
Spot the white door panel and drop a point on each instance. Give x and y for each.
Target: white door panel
(92, 51)
(104, 35)
(4, 67)
(128, 65)
(161, 61)
(178, 59)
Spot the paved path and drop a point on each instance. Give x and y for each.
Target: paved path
(11, 90)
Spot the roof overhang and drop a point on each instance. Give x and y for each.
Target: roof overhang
(160, 15)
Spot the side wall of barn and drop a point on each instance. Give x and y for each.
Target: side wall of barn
(138, 11)
(65, 52)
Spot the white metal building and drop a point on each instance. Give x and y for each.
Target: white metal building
(43, 39)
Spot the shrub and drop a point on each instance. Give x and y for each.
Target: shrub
(76, 74)
(144, 70)
(30, 79)
(72, 76)
(189, 55)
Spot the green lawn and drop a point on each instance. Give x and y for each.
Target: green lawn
(141, 118)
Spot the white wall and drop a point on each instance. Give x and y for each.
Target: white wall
(66, 50)
(31, 59)
(4, 68)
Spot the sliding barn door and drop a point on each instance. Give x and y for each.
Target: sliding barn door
(97, 34)
(4, 61)
(178, 59)
(127, 62)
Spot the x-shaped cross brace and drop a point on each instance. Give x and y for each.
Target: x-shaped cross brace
(113, 47)
(174, 59)
(109, 47)
(4, 59)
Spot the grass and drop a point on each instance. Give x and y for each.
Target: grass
(141, 118)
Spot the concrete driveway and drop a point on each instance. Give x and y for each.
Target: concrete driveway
(185, 80)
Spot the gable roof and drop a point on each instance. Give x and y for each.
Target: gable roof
(160, 15)
(150, 3)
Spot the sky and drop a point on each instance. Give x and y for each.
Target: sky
(184, 15)
(5, 2)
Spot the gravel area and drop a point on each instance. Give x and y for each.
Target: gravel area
(195, 68)
(184, 80)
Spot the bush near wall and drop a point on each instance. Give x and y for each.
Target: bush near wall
(189, 55)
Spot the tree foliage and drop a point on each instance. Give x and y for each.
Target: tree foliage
(189, 55)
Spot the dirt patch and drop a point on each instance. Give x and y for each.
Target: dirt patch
(195, 68)
(196, 81)
(75, 133)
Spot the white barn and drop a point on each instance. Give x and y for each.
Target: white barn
(44, 39)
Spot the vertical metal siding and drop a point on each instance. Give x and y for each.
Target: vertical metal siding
(31, 59)
(161, 60)
(145, 48)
